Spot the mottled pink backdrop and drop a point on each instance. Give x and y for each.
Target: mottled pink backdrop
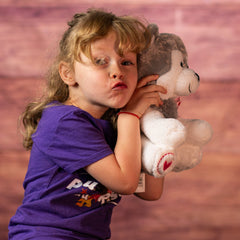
(199, 204)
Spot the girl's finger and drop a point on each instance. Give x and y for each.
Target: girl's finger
(153, 88)
(161, 89)
(144, 81)
(152, 99)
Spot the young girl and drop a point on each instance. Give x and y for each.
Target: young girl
(79, 166)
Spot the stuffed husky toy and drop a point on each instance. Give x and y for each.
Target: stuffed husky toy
(168, 142)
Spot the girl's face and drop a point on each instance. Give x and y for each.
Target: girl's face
(109, 83)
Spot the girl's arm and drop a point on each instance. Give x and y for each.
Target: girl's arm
(120, 171)
(153, 188)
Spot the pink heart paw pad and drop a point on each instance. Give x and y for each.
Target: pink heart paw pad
(165, 162)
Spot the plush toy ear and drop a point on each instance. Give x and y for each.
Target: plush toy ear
(153, 29)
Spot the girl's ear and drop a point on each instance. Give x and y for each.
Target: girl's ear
(66, 73)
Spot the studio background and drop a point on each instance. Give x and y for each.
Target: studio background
(198, 204)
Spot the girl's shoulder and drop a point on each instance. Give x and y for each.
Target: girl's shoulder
(59, 110)
(58, 114)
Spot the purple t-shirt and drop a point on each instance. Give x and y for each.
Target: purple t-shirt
(62, 201)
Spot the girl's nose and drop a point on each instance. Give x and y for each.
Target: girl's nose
(116, 73)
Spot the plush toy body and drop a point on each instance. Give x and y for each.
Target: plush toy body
(170, 143)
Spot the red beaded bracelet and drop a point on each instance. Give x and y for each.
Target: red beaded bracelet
(133, 114)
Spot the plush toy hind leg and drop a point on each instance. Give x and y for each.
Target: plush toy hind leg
(157, 160)
(199, 132)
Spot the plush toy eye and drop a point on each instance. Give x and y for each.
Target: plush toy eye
(181, 64)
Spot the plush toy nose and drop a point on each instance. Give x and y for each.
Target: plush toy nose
(198, 78)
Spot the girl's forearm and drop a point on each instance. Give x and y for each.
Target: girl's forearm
(128, 148)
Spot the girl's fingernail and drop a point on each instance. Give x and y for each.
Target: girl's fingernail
(164, 90)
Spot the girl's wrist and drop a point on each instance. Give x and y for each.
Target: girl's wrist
(129, 113)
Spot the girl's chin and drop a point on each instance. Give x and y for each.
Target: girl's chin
(119, 106)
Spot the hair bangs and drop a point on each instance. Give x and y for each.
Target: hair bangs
(132, 35)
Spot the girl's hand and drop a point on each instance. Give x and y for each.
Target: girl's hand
(144, 96)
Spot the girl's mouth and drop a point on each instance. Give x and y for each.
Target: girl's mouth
(119, 86)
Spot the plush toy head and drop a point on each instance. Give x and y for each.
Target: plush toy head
(167, 57)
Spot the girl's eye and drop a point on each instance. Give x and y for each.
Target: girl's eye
(127, 63)
(100, 61)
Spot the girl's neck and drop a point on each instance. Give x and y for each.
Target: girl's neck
(95, 111)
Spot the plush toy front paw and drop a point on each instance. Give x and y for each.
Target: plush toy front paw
(169, 131)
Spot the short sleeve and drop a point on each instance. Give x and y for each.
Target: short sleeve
(75, 141)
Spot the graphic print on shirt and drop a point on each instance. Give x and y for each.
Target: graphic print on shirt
(86, 198)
